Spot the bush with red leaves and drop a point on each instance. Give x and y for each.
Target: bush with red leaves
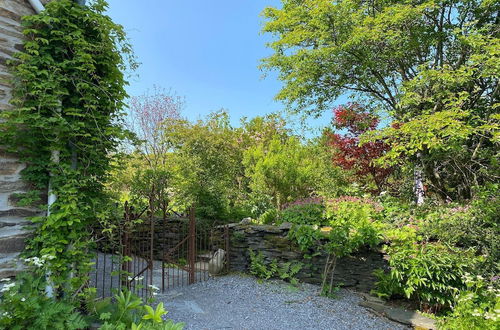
(349, 155)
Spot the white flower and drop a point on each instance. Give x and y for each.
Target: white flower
(155, 293)
(7, 287)
(140, 278)
(479, 277)
(23, 299)
(153, 287)
(130, 278)
(35, 261)
(469, 296)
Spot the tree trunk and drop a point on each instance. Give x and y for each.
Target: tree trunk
(419, 183)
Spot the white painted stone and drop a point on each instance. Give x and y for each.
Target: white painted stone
(216, 264)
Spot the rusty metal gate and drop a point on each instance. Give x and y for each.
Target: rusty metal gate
(147, 255)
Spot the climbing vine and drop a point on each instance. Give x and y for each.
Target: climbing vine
(68, 100)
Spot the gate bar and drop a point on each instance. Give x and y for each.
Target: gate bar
(192, 245)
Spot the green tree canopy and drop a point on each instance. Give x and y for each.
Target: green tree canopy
(433, 65)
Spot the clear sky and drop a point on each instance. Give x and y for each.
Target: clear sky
(207, 51)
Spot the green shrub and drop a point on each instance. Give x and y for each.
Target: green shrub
(269, 217)
(476, 307)
(129, 312)
(306, 236)
(352, 227)
(262, 270)
(258, 266)
(288, 270)
(24, 305)
(304, 214)
(431, 274)
(473, 225)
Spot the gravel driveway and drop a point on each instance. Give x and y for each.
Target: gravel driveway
(240, 302)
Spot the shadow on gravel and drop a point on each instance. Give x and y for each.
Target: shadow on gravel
(240, 302)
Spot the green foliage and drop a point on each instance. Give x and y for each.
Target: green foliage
(262, 269)
(288, 270)
(306, 236)
(228, 173)
(471, 225)
(269, 217)
(431, 274)
(68, 92)
(302, 214)
(24, 305)
(476, 307)
(465, 227)
(353, 226)
(282, 169)
(431, 65)
(331, 291)
(129, 312)
(258, 266)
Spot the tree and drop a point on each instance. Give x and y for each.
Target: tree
(148, 114)
(284, 170)
(348, 154)
(151, 182)
(422, 62)
(206, 159)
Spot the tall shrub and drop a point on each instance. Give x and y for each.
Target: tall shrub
(68, 97)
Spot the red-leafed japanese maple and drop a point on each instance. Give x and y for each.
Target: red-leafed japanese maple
(355, 120)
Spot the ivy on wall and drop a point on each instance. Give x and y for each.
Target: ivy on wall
(68, 97)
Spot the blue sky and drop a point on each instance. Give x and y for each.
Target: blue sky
(207, 51)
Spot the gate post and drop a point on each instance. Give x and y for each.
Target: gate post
(192, 246)
(126, 249)
(151, 244)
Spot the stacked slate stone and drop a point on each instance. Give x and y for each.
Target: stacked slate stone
(355, 271)
(13, 222)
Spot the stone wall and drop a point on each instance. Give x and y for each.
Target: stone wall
(171, 236)
(354, 271)
(12, 218)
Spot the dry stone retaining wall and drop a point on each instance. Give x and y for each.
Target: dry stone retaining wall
(355, 271)
(12, 218)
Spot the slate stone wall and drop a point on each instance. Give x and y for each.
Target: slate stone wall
(12, 218)
(354, 271)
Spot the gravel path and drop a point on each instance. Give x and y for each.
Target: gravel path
(240, 302)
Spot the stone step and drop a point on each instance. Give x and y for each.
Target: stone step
(12, 184)
(398, 314)
(8, 260)
(13, 220)
(13, 230)
(10, 264)
(21, 7)
(11, 15)
(13, 239)
(10, 167)
(16, 35)
(19, 212)
(11, 272)
(11, 25)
